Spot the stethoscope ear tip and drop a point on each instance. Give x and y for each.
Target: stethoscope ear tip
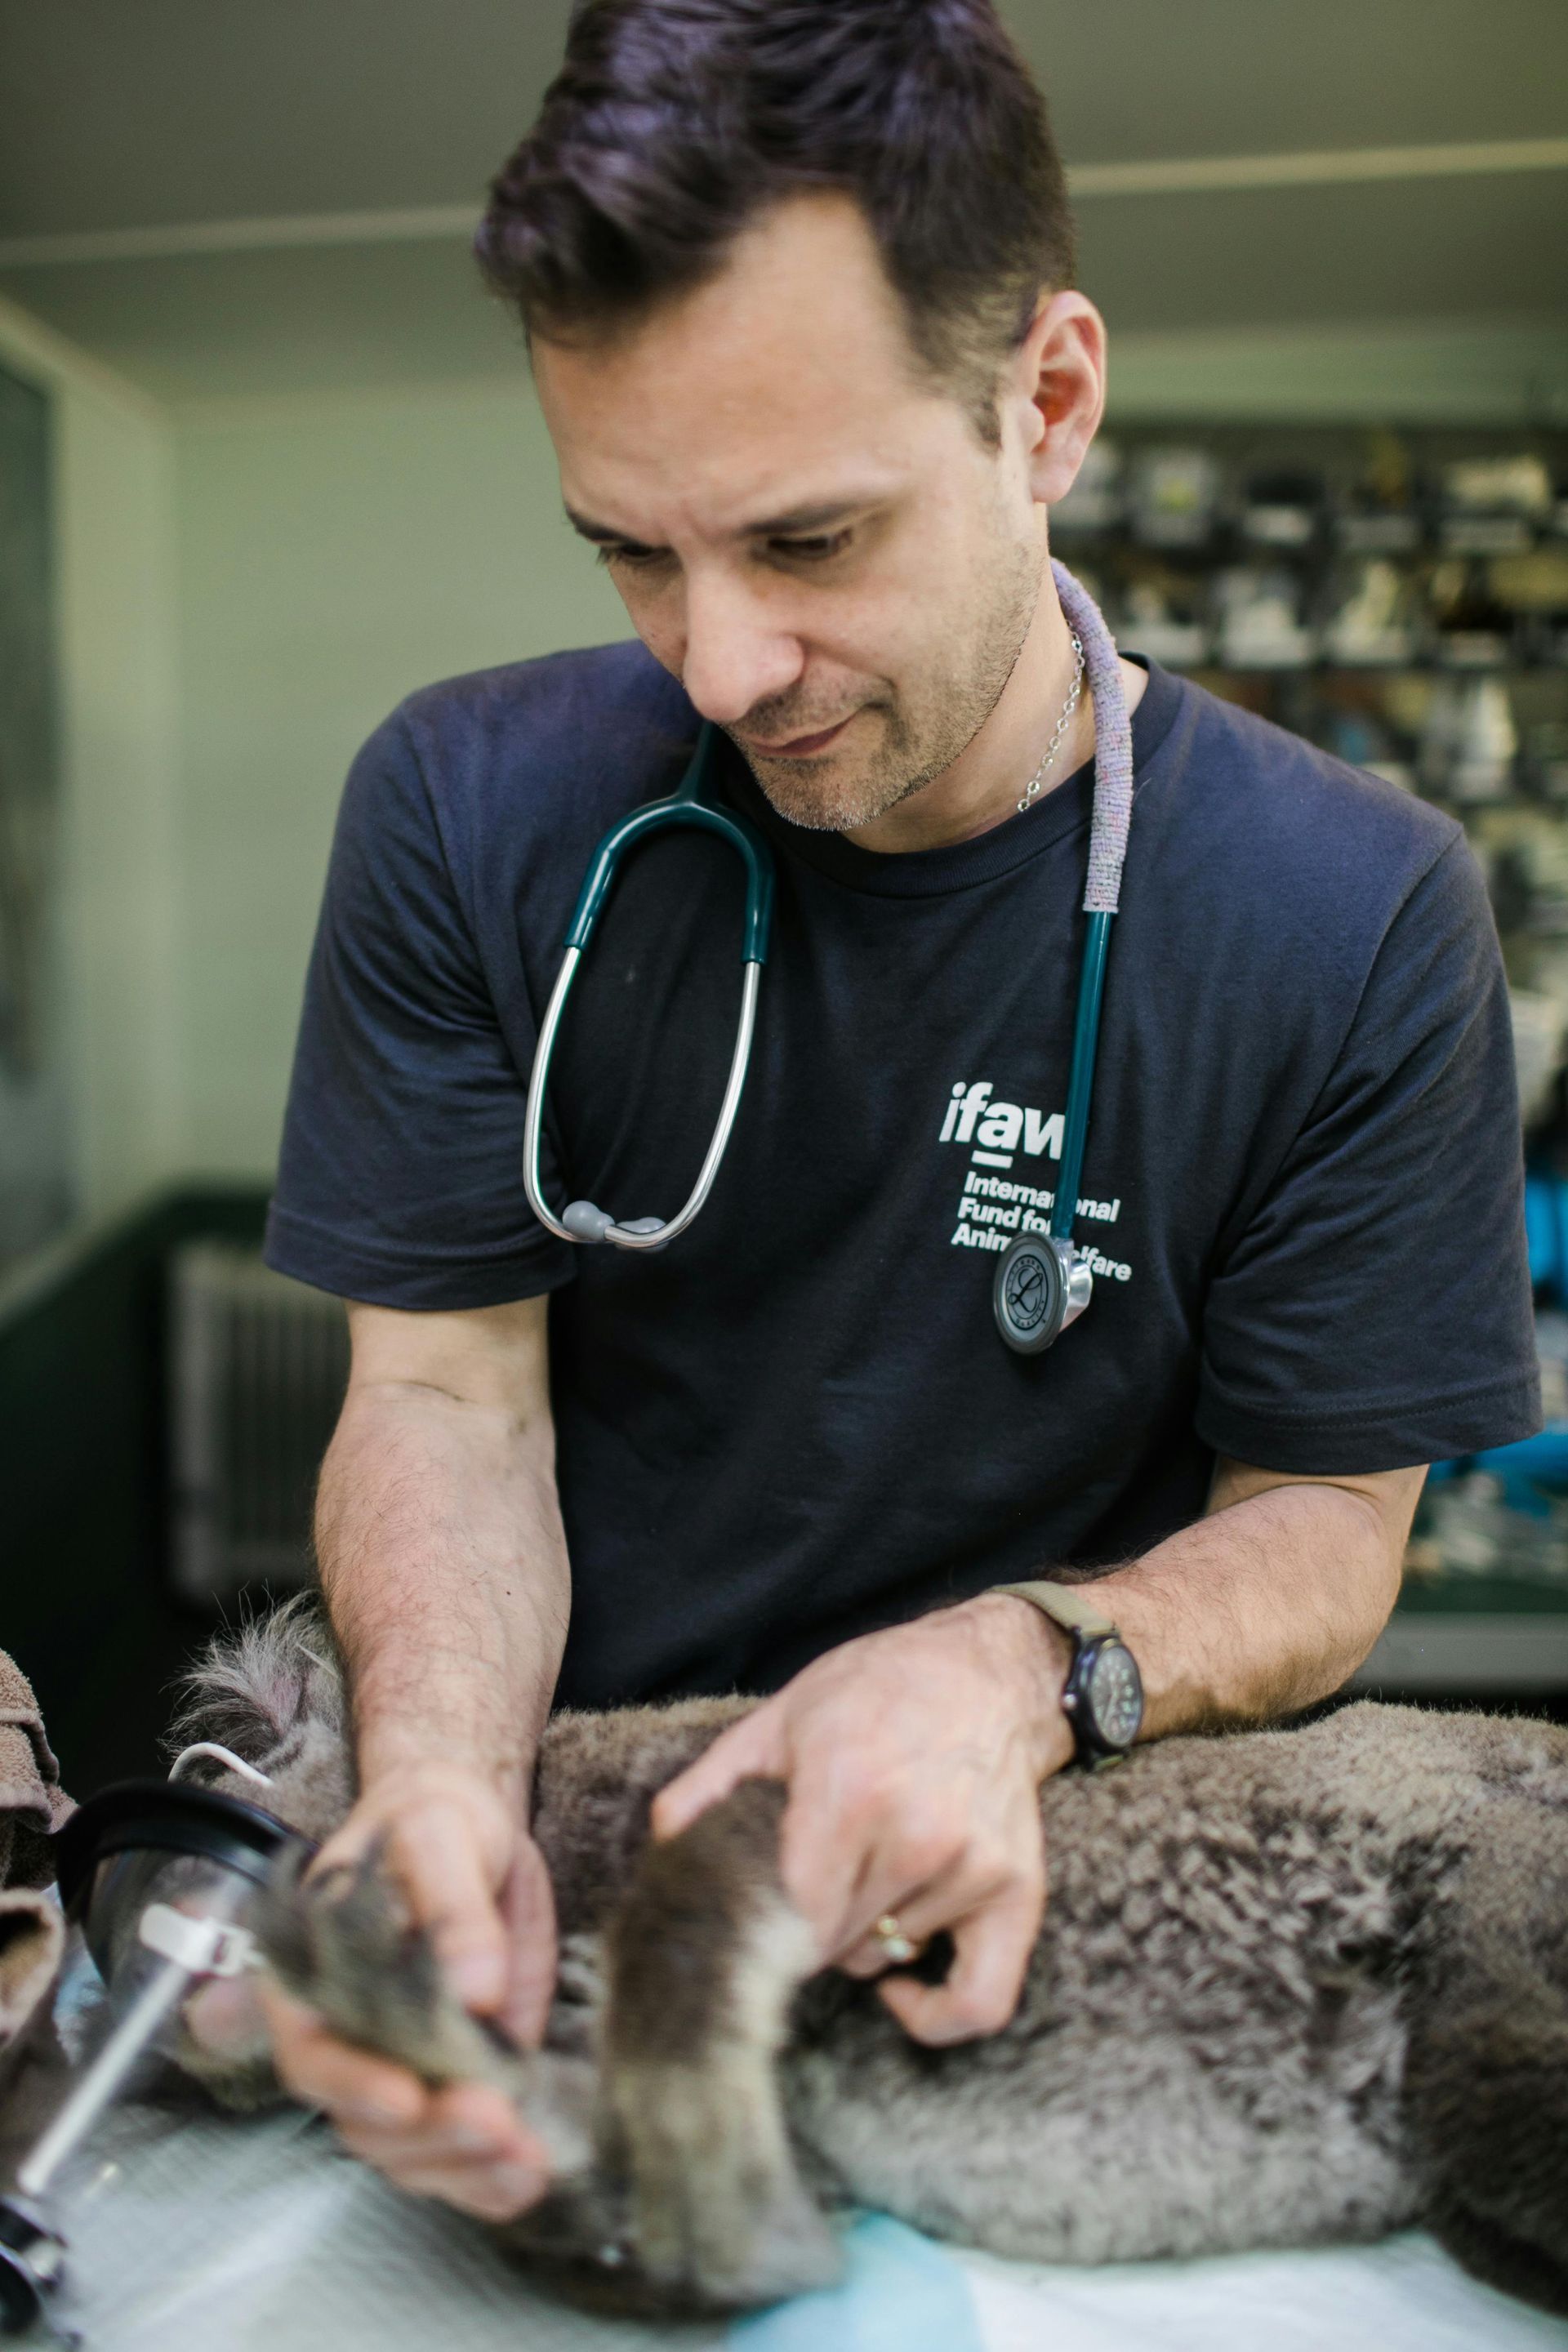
(584, 1223)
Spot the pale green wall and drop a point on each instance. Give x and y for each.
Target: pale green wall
(1463, 372)
(333, 554)
(114, 477)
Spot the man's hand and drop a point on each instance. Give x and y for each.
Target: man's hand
(444, 1567)
(477, 1882)
(913, 1760)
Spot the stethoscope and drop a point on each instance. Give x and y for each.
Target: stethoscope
(1043, 1281)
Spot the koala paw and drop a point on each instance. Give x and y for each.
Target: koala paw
(722, 2221)
(342, 1943)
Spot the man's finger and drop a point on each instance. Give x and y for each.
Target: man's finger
(426, 2148)
(747, 1752)
(919, 1910)
(488, 2118)
(849, 1856)
(916, 1917)
(981, 1988)
(449, 1887)
(327, 2073)
(465, 2124)
(528, 1911)
(490, 2192)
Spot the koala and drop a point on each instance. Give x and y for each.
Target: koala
(1293, 1986)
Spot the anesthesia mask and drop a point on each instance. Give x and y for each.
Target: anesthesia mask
(163, 1879)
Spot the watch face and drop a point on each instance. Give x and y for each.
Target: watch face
(1115, 1695)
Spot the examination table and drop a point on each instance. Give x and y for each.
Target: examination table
(200, 2236)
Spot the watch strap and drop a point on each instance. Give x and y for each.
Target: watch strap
(1067, 1605)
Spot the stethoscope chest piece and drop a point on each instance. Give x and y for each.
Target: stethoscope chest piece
(1042, 1284)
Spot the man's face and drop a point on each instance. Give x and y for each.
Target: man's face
(811, 537)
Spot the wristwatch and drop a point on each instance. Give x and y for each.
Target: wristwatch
(1102, 1697)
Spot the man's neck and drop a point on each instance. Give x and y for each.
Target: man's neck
(985, 784)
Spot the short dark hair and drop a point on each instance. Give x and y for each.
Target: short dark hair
(673, 123)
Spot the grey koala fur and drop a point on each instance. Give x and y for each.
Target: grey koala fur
(1293, 1986)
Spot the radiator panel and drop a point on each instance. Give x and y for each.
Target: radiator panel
(257, 1368)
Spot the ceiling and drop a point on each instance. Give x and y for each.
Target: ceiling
(168, 114)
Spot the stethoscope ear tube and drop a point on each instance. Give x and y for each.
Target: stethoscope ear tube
(583, 1220)
(687, 805)
(1080, 1081)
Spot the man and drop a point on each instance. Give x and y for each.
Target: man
(796, 275)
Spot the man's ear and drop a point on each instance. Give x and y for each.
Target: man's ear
(1056, 378)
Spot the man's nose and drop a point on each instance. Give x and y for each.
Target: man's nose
(737, 653)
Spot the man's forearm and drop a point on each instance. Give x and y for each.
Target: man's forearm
(1268, 1604)
(444, 1564)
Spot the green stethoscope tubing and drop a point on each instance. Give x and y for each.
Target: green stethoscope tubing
(1080, 1083)
(693, 804)
(686, 806)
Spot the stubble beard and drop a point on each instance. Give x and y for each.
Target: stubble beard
(921, 732)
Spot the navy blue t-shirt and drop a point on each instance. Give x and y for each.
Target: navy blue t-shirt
(1302, 1180)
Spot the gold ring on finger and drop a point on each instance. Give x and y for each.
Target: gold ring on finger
(896, 1947)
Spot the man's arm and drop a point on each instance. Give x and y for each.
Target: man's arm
(1269, 1601)
(914, 1757)
(444, 1564)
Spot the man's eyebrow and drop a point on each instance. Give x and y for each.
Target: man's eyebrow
(599, 532)
(794, 525)
(801, 520)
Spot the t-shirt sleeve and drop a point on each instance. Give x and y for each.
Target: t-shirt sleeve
(1373, 1310)
(400, 1179)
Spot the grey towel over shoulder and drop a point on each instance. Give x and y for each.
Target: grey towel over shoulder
(32, 1802)
(32, 1806)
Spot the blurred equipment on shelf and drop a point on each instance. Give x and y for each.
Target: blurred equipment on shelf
(1491, 505)
(1163, 618)
(1483, 744)
(1503, 1515)
(1173, 495)
(1371, 627)
(1375, 514)
(1499, 1519)
(1282, 505)
(1428, 549)
(1399, 598)
(1261, 625)
(1475, 628)
(1540, 1025)
(1473, 1528)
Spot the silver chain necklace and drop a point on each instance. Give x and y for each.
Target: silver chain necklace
(1063, 723)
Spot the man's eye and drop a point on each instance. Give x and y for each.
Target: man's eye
(815, 550)
(637, 557)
